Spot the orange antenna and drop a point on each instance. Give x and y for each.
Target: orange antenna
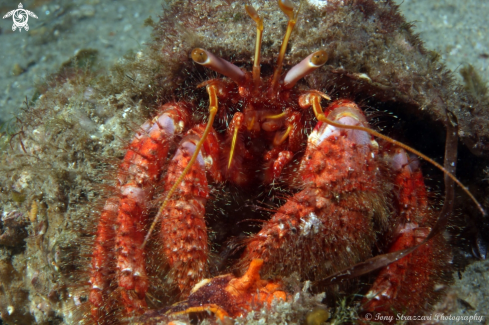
(259, 35)
(288, 9)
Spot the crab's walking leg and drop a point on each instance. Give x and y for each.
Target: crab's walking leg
(183, 230)
(179, 214)
(123, 218)
(402, 286)
(103, 259)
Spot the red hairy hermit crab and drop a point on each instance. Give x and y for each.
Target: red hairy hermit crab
(326, 197)
(345, 193)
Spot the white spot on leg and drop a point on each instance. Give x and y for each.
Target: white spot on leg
(309, 223)
(167, 123)
(134, 192)
(189, 147)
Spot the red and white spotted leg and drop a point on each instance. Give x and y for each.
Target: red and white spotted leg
(401, 287)
(124, 216)
(183, 230)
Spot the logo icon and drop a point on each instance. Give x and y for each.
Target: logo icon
(20, 17)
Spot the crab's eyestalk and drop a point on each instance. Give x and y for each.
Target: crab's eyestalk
(288, 9)
(305, 67)
(219, 65)
(259, 35)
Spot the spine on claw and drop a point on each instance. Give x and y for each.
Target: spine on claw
(124, 216)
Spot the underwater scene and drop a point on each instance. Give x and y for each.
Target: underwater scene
(244, 162)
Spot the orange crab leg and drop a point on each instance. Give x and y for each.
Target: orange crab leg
(183, 231)
(403, 283)
(313, 98)
(212, 90)
(102, 257)
(123, 218)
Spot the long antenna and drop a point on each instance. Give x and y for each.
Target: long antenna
(259, 35)
(288, 9)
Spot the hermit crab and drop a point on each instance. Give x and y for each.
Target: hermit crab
(266, 173)
(348, 196)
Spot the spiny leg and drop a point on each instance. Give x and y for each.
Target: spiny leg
(213, 106)
(402, 286)
(143, 162)
(122, 220)
(103, 261)
(329, 224)
(183, 233)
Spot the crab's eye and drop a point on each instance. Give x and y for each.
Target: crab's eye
(319, 58)
(305, 67)
(199, 56)
(209, 60)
